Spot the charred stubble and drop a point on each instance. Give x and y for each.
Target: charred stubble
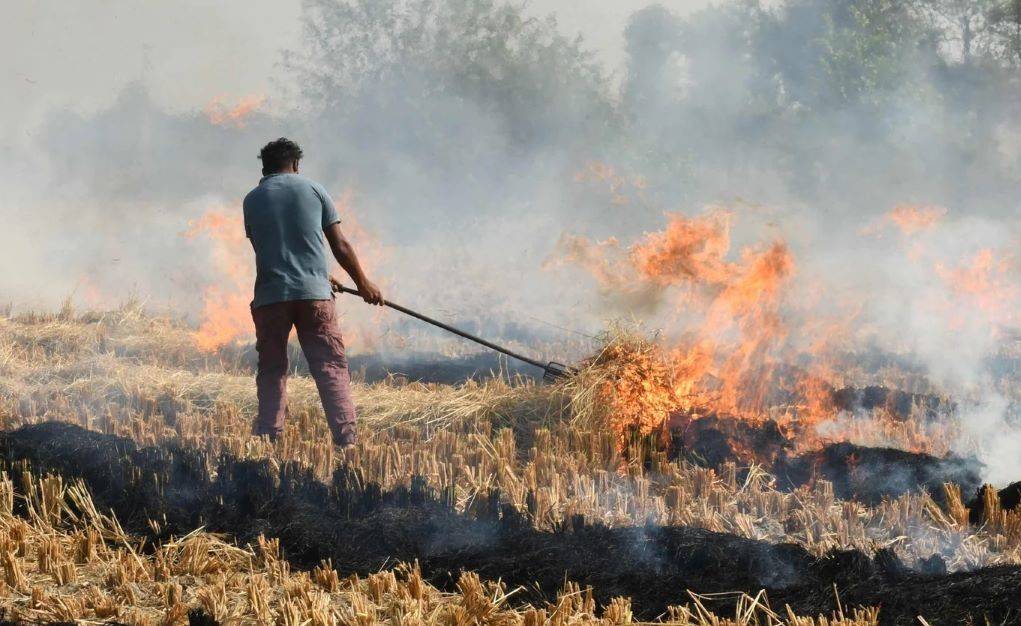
(361, 527)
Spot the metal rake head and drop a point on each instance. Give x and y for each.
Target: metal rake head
(557, 371)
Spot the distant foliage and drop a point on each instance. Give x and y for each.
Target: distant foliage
(822, 100)
(830, 53)
(430, 58)
(832, 101)
(1003, 20)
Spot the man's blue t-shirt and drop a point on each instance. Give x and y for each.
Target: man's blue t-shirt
(285, 217)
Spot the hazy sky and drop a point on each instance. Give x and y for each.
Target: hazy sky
(78, 54)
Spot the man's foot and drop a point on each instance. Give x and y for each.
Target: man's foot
(341, 448)
(272, 437)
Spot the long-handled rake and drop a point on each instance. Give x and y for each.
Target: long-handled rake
(552, 371)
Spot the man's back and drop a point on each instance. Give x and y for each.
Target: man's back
(285, 217)
(290, 219)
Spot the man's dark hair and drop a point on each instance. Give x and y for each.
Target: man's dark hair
(278, 154)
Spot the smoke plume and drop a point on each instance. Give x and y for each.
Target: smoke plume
(476, 147)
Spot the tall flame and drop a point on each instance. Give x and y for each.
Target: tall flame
(365, 330)
(225, 312)
(737, 345)
(728, 361)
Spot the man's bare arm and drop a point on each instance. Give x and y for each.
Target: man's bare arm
(345, 255)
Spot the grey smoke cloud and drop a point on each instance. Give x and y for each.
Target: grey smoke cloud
(468, 160)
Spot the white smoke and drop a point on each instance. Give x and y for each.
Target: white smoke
(468, 160)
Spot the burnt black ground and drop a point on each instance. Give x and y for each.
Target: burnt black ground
(437, 368)
(362, 528)
(857, 472)
(898, 404)
(411, 365)
(871, 474)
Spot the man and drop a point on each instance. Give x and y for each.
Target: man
(289, 220)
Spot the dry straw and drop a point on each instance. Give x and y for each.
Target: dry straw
(547, 449)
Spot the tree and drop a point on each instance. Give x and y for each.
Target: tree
(1004, 18)
(960, 24)
(839, 53)
(484, 55)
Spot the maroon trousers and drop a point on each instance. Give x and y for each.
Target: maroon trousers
(324, 349)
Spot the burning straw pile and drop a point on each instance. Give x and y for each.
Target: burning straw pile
(629, 387)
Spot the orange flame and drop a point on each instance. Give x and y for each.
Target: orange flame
(689, 250)
(220, 114)
(749, 304)
(362, 332)
(225, 312)
(729, 361)
(616, 183)
(987, 283)
(638, 388)
(738, 345)
(908, 218)
(226, 316)
(92, 295)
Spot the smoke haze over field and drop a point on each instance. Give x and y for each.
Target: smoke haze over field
(134, 81)
(469, 137)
